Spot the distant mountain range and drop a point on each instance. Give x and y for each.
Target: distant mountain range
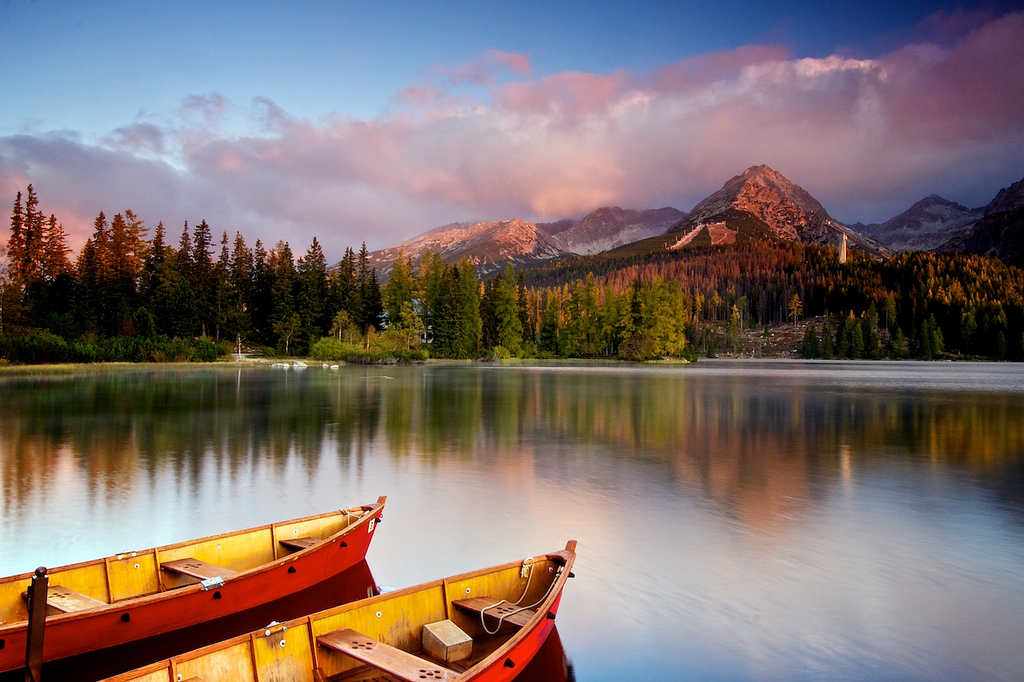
(490, 245)
(758, 204)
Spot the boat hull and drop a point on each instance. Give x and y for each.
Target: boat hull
(180, 608)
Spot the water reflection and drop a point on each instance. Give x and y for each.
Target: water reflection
(709, 432)
(764, 447)
(793, 519)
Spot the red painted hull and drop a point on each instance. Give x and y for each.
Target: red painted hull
(142, 618)
(517, 655)
(550, 663)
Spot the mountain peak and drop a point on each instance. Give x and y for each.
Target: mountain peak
(787, 209)
(926, 225)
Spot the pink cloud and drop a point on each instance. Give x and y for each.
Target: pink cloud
(490, 141)
(565, 96)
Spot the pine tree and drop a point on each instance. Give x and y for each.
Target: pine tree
(369, 293)
(344, 294)
(468, 305)
(239, 279)
(399, 291)
(373, 306)
(549, 328)
(227, 300)
(55, 257)
(121, 270)
(508, 325)
(446, 321)
(203, 277)
(31, 257)
(281, 267)
(428, 283)
(809, 347)
(312, 294)
(827, 339)
(260, 304)
(16, 242)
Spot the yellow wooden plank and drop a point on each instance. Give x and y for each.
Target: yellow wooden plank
(132, 575)
(63, 600)
(230, 663)
(88, 579)
(12, 605)
(394, 661)
(283, 655)
(239, 552)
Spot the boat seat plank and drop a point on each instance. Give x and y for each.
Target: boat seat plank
(504, 612)
(197, 569)
(299, 543)
(67, 600)
(385, 657)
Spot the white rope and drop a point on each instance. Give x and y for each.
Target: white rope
(526, 590)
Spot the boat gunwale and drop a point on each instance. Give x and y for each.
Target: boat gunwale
(372, 511)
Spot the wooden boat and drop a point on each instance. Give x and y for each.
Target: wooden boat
(134, 596)
(481, 626)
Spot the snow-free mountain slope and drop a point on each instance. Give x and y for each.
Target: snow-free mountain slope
(924, 226)
(611, 226)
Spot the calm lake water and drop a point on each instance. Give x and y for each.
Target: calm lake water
(736, 520)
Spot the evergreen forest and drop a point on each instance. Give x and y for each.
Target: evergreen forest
(131, 296)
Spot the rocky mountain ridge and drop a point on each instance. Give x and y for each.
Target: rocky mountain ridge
(1000, 232)
(758, 204)
(925, 226)
(489, 245)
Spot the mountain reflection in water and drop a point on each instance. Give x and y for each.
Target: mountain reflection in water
(737, 520)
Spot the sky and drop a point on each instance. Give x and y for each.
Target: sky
(356, 121)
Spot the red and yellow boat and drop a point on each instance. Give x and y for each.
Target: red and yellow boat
(160, 595)
(484, 626)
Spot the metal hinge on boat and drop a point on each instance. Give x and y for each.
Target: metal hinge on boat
(215, 581)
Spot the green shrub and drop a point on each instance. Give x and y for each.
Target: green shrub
(330, 349)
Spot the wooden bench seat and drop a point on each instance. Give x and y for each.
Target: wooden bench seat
(300, 543)
(393, 661)
(67, 600)
(504, 613)
(198, 569)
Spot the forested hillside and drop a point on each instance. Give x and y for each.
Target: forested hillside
(914, 304)
(128, 296)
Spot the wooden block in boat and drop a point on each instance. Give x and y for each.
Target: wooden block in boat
(445, 641)
(198, 569)
(391, 660)
(66, 600)
(503, 612)
(299, 543)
